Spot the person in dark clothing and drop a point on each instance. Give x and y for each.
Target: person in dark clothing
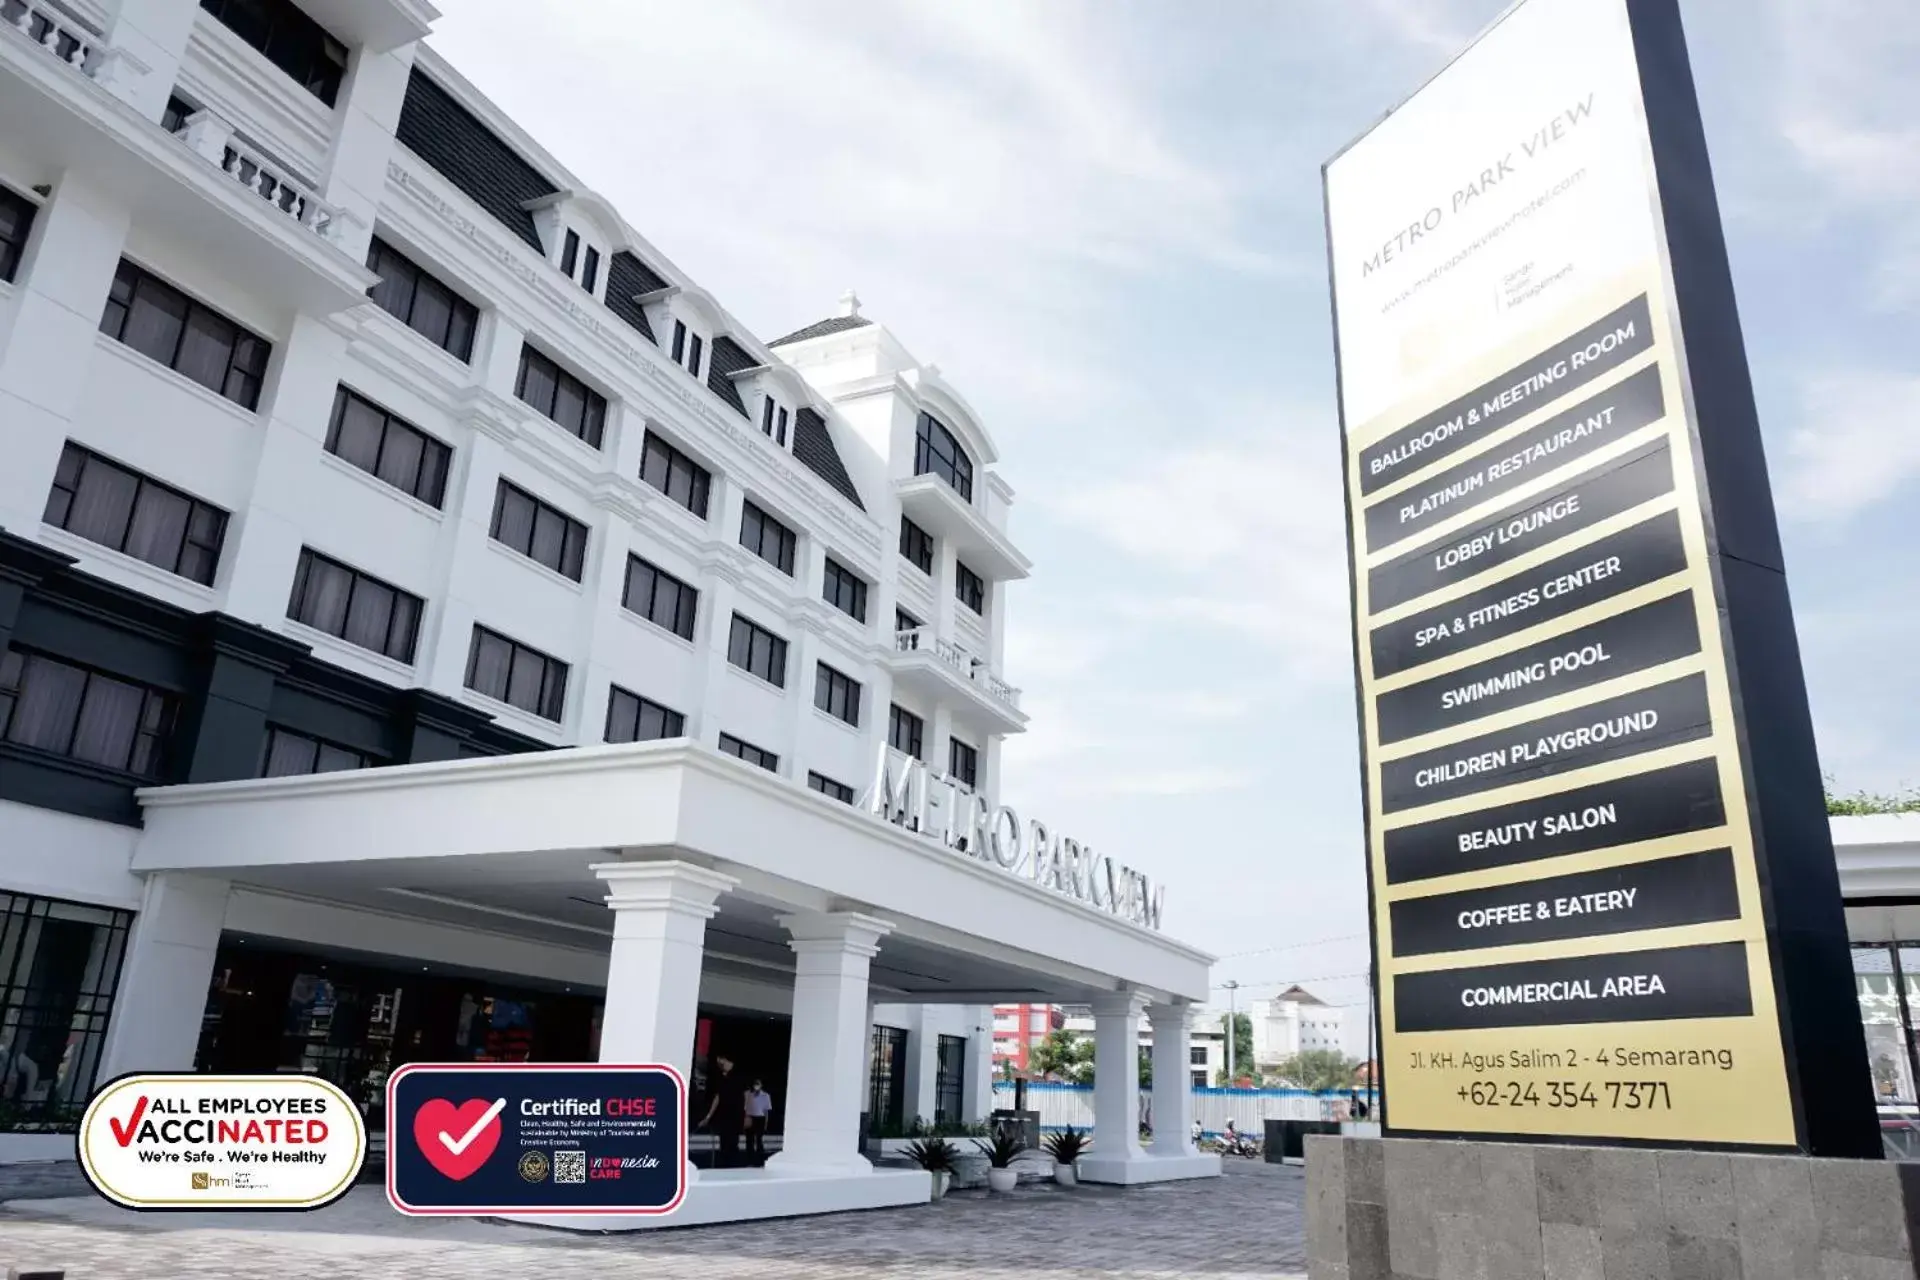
(727, 1111)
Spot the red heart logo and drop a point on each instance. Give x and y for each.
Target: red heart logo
(457, 1140)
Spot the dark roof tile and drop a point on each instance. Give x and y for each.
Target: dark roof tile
(628, 277)
(728, 357)
(821, 328)
(813, 446)
(471, 156)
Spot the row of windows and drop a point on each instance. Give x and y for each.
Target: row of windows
(916, 546)
(291, 40)
(185, 335)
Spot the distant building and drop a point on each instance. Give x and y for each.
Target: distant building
(1296, 1021)
(1017, 1028)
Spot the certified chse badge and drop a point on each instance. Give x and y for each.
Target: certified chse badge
(533, 1166)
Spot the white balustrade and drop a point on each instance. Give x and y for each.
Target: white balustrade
(959, 661)
(214, 139)
(54, 32)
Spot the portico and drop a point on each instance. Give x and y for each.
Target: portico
(686, 874)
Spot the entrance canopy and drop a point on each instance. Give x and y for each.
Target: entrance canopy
(507, 844)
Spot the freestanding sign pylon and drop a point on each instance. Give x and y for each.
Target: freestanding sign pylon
(1603, 896)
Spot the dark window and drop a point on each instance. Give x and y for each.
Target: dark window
(837, 694)
(422, 301)
(659, 597)
(1199, 1079)
(963, 762)
(117, 507)
(542, 533)
(590, 271)
(1197, 1055)
(16, 224)
(290, 39)
(679, 341)
(766, 537)
(362, 610)
(632, 718)
(887, 1077)
(773, 421)
(570, 253)
(751, 754)
(949, 1078)
(935, 450)
(164, 324)
(510, 672)
(570, 402)
(904, 621)
(388, 448)
(904, 730)
(178, 112)
(59, 966)
(845, 590)
(694, 344)
(83, 715)
(755, 649)
(916, 544)
(675, 474)
(287, 754)
(828, 787)
(968, 588)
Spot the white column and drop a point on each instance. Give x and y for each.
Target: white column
(979, 1088)
(830, 1037)
(660, 914)
(148, 39)
(366, 117)
(1172, 1083)
(166, 975)
(1116, 1087)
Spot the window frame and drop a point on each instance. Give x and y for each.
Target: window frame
(758, 526)
(138, 283)
(942, 455)
(776, 649)
(672, 723)
(148, 744)
(837, 693)
(916, 546)
(902, 723)
(554, 675)
(436, 455)
(592, 427)
(686, 596)
(405, 652)
(460, 310)
(969, 588)
(958, 751)
(290, 31)
(836, 579)
(675, 460)
(277, 732)
(574, 534)
(208, 546)
(741, 749)
(15, 238)
(828, 787)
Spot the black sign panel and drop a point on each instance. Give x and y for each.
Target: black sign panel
(1611, 729)
(1693, 888)
(1612, 566)
(1604, 650)
(1566, 437)
(1573, 362)
(1640, 806)
(1592, 497)
(1708, 981)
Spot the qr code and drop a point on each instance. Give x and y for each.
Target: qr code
(569, 1166)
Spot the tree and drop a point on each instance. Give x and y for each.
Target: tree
(1242, 1044)
(1063, 1056)
(1146, 1067)
(1319, 1070)
(1861, 803)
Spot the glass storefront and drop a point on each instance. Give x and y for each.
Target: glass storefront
(59, 965)
(1886, 980)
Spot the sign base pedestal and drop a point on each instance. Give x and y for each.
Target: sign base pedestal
(1423, 1209)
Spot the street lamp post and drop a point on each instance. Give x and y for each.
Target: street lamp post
(1233, 1030)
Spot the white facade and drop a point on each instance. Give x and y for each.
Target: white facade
(1295, 1022)
(189, 238)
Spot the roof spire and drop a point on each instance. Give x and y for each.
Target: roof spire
(849, 303)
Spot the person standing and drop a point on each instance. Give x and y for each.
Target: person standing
(759, 1107)
(726, 1112)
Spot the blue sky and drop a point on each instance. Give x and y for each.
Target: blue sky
(1102, 220)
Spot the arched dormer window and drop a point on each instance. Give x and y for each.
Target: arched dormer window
(935, 450)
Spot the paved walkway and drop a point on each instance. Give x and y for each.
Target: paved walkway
(1244, 1226)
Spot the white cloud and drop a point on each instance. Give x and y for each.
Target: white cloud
(1859, 443)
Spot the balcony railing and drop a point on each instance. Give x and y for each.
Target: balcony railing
(959, 661)
(53, 31)
(214, 139)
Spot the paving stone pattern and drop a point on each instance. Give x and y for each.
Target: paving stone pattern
(1243, 1226)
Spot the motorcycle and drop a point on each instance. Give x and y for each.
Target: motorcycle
(1238, 1144)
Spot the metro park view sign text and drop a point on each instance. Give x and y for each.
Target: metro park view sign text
(908, 794)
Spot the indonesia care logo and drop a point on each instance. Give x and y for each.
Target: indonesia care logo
(187, 1141)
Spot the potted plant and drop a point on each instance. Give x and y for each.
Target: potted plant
(1065, 1146)
(936, 1156)
(1001, 1150)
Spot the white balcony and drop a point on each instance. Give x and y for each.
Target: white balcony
(945, 671)
(209, 192)
(381, 25)
(931, 503)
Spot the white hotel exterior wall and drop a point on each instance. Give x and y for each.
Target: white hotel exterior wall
(61, 380)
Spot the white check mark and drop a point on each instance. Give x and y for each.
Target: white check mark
(457, 1145)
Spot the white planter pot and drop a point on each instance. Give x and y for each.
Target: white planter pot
(1001, 1179)
(1066, 1175)
(940, 1180)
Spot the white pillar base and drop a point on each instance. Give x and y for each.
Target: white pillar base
(165, 976)
(1116, 1088)
(1172, 1094)
(1148, 1168)
(831, 1037)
